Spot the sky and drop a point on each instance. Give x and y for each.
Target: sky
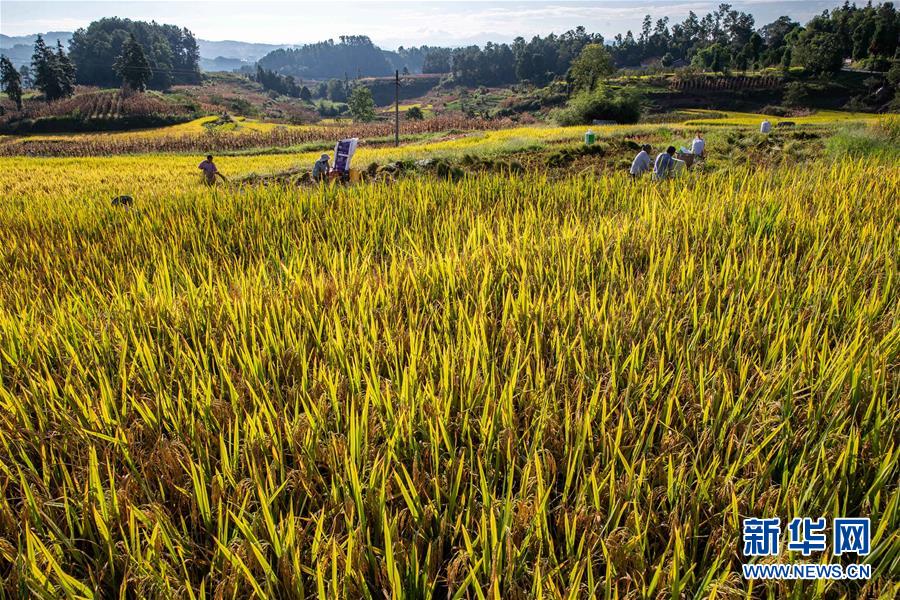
(389, 24)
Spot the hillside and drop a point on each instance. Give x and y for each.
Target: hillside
(225, 55)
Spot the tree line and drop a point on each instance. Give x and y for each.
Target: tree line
(171, 52)
(52, 72)
(353, 56)
(134, 54)
(721, 40)
(281, 84)
(728, 39)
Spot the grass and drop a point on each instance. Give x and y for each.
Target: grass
(877, 139)
(498, 387)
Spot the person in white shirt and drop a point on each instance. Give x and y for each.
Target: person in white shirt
(698, 145)
(641, 162)
(765, 126)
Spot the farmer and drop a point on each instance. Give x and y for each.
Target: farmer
(210, 171)
(641, 162)
(320, 169)
(665, 162)
(698, 145)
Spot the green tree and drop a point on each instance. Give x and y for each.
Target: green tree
(795, 94)
(415, 114)
(893, 74)
(820, 53)
(54, 73)
(171, 51)
(754, 48)
(25, 74)
(715, 57)
(885, 37)
(132, 66)
(786, 59)
(593, 63)
(47, 72)
(11, 81)
(65, 69)
(362, 106)
(305, 94)
(337, 90)
(602, 103)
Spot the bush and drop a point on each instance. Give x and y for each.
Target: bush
(78, 124)
(795, 93)
(621, 106)
(361, 104)
(775, 111)
(326, 108)
(415, 114)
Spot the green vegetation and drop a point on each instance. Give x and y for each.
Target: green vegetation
(497, 384)
(593, 64)
(280, 84)
(171, 51)
(54, 72)
(602, 103)
(11, 81)
(361, 105)
(881, 140)
(132, 66)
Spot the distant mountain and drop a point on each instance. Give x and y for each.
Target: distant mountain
(231, 55)
(227, 55)
(7, 41)
(221, 63)
(245, 51)
(20, 54)
(19, 48)
(353, 56)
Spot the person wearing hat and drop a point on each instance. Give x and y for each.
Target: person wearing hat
(321, 168)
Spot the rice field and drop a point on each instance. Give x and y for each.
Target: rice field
(241, 135)
(498, 387)
(821, 117)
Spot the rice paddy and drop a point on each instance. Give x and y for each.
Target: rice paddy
(497, 387)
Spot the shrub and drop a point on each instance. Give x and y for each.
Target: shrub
(621, 106)
(795, 93)
(775, 111)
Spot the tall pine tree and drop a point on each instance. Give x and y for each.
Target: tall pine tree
(11, 81)
(54, 73)
(45, 77)
(132, 66)
(66, 69)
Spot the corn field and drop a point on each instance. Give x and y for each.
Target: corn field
(103, 104)
(500, 387)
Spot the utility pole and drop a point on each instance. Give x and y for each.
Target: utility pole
(397, 107)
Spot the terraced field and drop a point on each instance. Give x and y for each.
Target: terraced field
(555, 382)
